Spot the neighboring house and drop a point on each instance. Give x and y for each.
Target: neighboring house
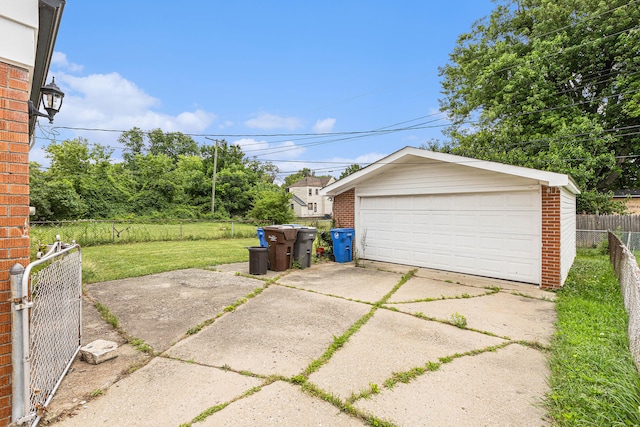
(452, 213)
(306, 200)
(631, 199)
(28, 30)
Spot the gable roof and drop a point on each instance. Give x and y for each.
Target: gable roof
(404, 155)
(312, 181)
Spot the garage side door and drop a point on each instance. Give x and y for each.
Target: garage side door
(487, 234)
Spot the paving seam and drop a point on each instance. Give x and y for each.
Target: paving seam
(302, 378)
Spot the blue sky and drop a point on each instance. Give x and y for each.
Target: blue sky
(274, 77)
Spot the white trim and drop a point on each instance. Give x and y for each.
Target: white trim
(550, 179)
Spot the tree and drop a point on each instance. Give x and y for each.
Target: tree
(553, 86)
(351, 169)
(273, 205)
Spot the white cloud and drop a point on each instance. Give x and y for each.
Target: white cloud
(271, 121)
(109, 101)
(268, 151)
(59, 60)
(324, 126)
(226, 124)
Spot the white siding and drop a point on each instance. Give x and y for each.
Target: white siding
(487, 234)
(321, 204)
(424, 176)
(567, 232)
(18, 32)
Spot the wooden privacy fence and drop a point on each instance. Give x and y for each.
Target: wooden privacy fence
(608, 222)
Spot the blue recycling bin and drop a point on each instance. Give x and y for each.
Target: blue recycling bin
(263, 240)
(343, 244)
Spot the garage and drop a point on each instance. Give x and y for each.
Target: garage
(452, 213)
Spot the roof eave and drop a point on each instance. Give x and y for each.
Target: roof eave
(49, 16)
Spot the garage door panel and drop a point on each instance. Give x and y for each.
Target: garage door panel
(495, 235)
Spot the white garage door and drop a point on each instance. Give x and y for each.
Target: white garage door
(486, 234)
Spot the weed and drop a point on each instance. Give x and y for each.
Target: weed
(107, 315)
(458, 320)
(465, 295)
(97, 392)
(140, 345)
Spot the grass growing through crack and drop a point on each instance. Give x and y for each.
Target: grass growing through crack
(107, 315)
(593, 378)
(227, 309)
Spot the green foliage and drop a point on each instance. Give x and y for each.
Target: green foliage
(351, 169)
(552, 86)
(273, 205)
(164, 175)
(593, 377)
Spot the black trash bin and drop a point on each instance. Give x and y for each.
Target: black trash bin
(258, 260)
(304, 246)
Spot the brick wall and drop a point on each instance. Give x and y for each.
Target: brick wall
(551, 241)
(344, 209)
(14, 207)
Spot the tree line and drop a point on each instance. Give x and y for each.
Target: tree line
(551, 85)
(161, 174)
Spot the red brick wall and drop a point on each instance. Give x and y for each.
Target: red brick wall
(14, 207)
(344, 206)
(551, 273)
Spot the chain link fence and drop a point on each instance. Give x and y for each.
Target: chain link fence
(596, 238)
(628, 273)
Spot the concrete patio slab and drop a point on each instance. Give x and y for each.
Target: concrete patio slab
(83, 378)
(489, 389)
(163, 393)
(386, 266)
(281, 405)
(243, 268)
(401, 342)
(161, 308)
(419, 288)
(504, 314)
(343, 280)
(466, 279)
(279, 332)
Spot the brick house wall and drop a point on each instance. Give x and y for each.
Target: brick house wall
(551, 238)
(14, 207)
(344, 204)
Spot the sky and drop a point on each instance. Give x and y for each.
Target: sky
(297, 83)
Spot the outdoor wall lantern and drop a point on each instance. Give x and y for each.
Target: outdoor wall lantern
(51, 97)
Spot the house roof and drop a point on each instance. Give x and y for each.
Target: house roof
(312, 181)
(633, 193)
(550, 179)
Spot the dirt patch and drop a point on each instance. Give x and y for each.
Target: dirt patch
(84, 381)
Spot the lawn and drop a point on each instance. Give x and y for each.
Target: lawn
(593, 379)
(110, 262)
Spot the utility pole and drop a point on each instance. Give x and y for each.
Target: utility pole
(213, 181)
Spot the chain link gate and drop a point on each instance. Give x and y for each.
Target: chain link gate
(47, 324)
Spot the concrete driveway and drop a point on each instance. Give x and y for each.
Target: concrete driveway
(332, 345)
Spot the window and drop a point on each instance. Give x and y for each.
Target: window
(310, 206)
(316, 191)
(310, 192)
(315, 207)
(291, 205)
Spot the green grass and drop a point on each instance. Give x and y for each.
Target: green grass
(593, 378)
(110, 262)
